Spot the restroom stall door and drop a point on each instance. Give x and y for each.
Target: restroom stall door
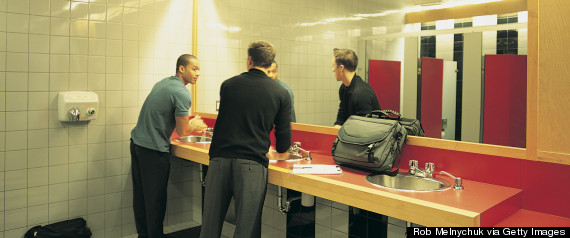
(504, 118)
(384, 78)
(449, 99)
(432, 89)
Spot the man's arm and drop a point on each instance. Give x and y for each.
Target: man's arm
(342, 113)
(283, 126)
(185, 127)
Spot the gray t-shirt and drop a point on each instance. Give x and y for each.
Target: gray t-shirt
(168, 99)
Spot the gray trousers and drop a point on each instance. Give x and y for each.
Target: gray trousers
(246, 181)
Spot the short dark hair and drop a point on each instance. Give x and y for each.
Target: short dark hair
(262, 53)
(347, 58)
(184, 60)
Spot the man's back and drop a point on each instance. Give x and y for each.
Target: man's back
(250, 104)
(357, 99)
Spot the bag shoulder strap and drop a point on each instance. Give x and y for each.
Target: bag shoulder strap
(399, 158)
(384, 114)
(392, 111)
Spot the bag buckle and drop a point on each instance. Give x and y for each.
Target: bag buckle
(370, 151)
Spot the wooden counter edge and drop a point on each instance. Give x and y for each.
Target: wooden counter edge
(194, 154)
(382, 202)
(390, 204)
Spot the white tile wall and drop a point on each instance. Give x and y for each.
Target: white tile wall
(304, 53)
(50, 171)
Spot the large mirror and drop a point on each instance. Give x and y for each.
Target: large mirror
(305, 36)
(464, 80)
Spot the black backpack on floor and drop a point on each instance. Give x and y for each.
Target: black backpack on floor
(74, 228)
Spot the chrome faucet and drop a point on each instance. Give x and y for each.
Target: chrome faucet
(458, 182)
(208, 132)
(415, 169)
(296, 148)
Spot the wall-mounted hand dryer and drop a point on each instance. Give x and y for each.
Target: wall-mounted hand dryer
(77, 106)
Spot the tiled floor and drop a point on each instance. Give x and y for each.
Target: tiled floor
(170, 229)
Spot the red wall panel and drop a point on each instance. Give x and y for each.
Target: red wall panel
(546, 187)
(384, 78)
(432, 89)
(505, 100)
(497, 170)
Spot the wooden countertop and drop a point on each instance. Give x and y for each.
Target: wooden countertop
(479, 204)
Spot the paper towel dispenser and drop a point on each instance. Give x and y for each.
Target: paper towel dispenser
(77, 106)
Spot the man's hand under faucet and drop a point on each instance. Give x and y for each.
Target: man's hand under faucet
(272, 154)
(197, 124)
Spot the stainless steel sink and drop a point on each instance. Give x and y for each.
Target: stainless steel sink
(199, 139)
(408, 183)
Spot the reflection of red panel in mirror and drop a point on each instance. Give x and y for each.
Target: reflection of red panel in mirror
(432, 90)
(505, 100)
(384, 78)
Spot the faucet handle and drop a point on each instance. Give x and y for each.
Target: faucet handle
(458, 182)
(430, 167)
(413, 163)
(208, 132)
(413, 166)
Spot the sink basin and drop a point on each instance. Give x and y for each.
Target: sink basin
(199, 139)
(408, 183)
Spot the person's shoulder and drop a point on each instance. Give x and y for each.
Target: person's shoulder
(164, 81)
(283, 84)
(358, 79)
(360, 83)
(233, 79)
(282, 90)
(181, 92)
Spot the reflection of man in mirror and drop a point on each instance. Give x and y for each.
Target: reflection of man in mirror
(356, 96)
(251, 105)
(272, 73)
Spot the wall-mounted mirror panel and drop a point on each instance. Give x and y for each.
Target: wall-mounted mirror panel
(466, 83)
(306, 35)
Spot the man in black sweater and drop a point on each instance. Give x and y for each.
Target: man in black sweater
(356, 96)
(251, 105)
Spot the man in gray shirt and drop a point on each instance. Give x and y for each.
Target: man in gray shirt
(165, 109)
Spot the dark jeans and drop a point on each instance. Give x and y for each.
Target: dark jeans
(150, 171)
(246, 181)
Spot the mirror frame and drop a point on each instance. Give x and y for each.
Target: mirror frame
(529, 153)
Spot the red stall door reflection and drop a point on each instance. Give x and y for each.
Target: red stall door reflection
(504, 109)
(432, 90)
(384, 78)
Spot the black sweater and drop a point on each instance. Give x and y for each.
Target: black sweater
(250, 105)
(357, 99)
